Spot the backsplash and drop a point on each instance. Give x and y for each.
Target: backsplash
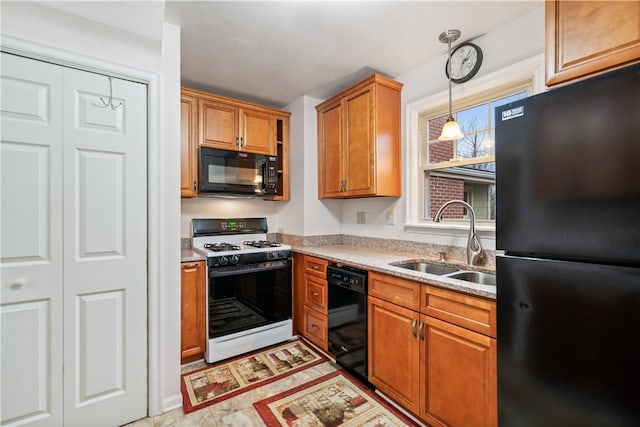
(452, 254)
(185, 243)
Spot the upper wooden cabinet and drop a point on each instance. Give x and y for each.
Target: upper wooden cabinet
(188, 146)
(209, 120)
(359, 141)
(231, 127)
(587, 37)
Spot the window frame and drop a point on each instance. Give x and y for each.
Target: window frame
(529, 72)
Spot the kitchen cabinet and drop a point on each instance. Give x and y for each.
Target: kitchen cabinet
(188, 146)
(193, 326)
(314, 323)
(209, 120)
(230, 126)
(359, 141)
(587, 37)
(442, 366)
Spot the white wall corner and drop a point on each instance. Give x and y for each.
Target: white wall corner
(164, 388)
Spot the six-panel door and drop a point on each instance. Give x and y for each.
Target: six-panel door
(74, 280)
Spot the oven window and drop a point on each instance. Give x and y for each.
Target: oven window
(248, 300)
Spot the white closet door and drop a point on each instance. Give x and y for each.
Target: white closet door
(31, 242)
(105, 242)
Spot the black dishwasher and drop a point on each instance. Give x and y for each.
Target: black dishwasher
(348, 318)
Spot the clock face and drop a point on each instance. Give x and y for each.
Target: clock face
(465, 62)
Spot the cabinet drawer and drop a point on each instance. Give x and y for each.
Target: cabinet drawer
(476, 314)
(405, 293)
(316, 293)
(315, 266)
(316, 328)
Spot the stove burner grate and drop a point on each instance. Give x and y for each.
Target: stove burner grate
(262, 244)
(220, 247)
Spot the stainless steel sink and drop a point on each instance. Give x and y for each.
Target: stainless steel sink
(425, 267)
(475, 277)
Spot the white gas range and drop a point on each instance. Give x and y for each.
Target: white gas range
(249, 285)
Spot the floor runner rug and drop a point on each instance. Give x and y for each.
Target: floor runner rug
(231, 377)
(335, 399)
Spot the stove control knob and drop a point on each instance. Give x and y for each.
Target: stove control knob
(223, 260)
(234, 259)
(271, 255)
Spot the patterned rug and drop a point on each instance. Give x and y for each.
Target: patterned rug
(335, 399)
(232, 377)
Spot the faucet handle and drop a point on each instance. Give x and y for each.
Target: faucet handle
(441, 256)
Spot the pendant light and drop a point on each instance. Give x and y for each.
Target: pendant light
(451, 129)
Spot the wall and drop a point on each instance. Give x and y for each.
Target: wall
(41, 30)
(501, 47)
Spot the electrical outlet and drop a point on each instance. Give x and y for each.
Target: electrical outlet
(390, 219)
(361, 218)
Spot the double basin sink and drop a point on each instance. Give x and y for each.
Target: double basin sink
(478, 277)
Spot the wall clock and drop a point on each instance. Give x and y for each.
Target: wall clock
(465, 62)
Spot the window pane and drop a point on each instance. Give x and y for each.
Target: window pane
(472, 145)
(474, 184)
(441, 151)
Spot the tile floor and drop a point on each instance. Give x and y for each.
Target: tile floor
(236, 411)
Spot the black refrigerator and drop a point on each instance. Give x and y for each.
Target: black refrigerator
(568, 284)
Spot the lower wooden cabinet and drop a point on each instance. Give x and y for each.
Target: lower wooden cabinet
(193, 330)
(394, 352)
(438, 370)
(459, 378)
(316, 328)
(310, 299)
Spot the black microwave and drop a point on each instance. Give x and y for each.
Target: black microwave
(236, 173)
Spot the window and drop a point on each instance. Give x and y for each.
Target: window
(463, 169)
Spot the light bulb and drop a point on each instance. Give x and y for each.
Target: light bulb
(451, 131)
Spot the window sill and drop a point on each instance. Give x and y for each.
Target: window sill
(450, 229)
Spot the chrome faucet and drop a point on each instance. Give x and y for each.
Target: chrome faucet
(474, 250)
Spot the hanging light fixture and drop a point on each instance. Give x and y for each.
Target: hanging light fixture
(451, 129)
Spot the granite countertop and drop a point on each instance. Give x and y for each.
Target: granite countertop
(187, 255)
(378, 260)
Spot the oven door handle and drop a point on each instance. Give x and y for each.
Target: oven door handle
(253, 268)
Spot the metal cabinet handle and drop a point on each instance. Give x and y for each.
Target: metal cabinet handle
(238, 142)
(315, 267)
(421, 331)
(241, 142)
(315, 294)
(315, 327)
(413, 328)
(195, 186)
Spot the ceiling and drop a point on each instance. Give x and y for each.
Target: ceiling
(274, 52)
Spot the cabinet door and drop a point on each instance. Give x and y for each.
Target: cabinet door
(316, 293)
(218, 125)
(459, 377)
(330, 152)
(394, 352)
(316, 328)
(193, 316)
(585, 37)
(188, 146)
(360, 143)
(256, 133)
